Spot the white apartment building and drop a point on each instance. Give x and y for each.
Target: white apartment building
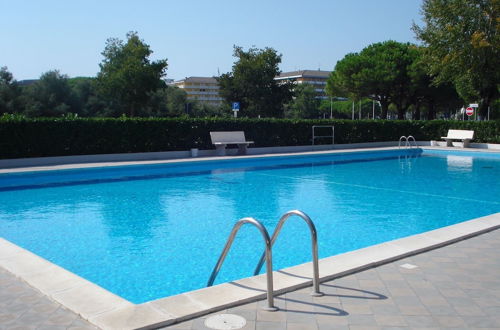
(201, 89)
(317, 78)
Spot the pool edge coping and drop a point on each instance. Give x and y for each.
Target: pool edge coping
(109, 311)
(337, 150)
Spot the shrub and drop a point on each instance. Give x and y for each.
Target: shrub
(38, 137)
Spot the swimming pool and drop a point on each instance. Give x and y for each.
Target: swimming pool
(145, 232)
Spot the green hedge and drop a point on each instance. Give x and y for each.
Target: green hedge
(22, 137)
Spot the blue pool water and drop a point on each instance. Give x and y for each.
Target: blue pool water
(146, 232)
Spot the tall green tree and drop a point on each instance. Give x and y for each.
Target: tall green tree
(49, 96)
(168, 102)
(340, 109)
(128, 77)
(305, 103)
(251, 82)
(380, 72)
(428, 97)
(462, 39)
(10, 93)
(87, 102)
(205, 110)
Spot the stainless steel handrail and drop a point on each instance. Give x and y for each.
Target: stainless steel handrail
(407, 141)
(403, 138)
(314, 137)
(314, 241)
(414, 141)
(268, 255)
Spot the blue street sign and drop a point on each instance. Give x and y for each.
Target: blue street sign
(236, 106)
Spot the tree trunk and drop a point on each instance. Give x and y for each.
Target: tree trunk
(401, 112)
(384, 105)
(130, 110)
(483, 109)
(432, 111)
(416, 116)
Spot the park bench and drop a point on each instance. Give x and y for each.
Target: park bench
(458, 134)
(222, 139)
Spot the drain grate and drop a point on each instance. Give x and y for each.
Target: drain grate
(225, 322)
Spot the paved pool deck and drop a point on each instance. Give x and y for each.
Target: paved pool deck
(456, 286)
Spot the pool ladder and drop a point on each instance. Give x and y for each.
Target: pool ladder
(407, 141)
(267, 255)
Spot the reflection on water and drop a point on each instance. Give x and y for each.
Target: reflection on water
(459, 163)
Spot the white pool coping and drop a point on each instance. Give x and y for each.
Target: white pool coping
(37, 168)
(109, 311)
(93, 161)
(83, 165)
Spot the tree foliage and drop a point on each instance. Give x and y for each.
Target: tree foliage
(86, 101)
(128, 78)
(10, 92)
(381, 71)
(305, 104)
(394, 74)
(49, 96)
(252, 83)
(169, 101)
(462, 39)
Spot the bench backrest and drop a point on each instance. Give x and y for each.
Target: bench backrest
(221, 137)
(460, 134)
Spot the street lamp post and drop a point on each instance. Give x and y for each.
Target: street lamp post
(331, 108)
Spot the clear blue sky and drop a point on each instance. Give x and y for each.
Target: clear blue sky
(196, 36)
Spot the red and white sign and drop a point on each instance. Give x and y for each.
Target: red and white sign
(469, 111)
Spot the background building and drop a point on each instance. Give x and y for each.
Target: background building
(317, 78)
(201, 89)
(206, 89)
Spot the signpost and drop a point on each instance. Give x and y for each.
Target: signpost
(469, 111)
(236, 108)
(474, 106)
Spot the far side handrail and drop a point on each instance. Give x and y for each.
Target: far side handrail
(314, 243)
(410, 137)
(314, 136)
(268, 256)
(403, 138)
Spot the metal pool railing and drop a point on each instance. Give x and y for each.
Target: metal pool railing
(267, 255)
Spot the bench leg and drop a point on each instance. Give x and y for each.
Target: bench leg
(466, 143)
(242, 149)
(220, 150)
(449, 143)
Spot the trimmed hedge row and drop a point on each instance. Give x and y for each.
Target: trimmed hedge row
(23, 137)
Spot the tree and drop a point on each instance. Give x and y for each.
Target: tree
(128, 78)
(49, 96)
(340, 109)
(9, 93)
(462, 42)
(340, 84)
(176, 101)
(379, 72)
(87, 102)
(305, 104)
(201, 109)
(252, 83)
(170, 101)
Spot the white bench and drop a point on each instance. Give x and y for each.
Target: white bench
(458, 134)
(222, 139)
